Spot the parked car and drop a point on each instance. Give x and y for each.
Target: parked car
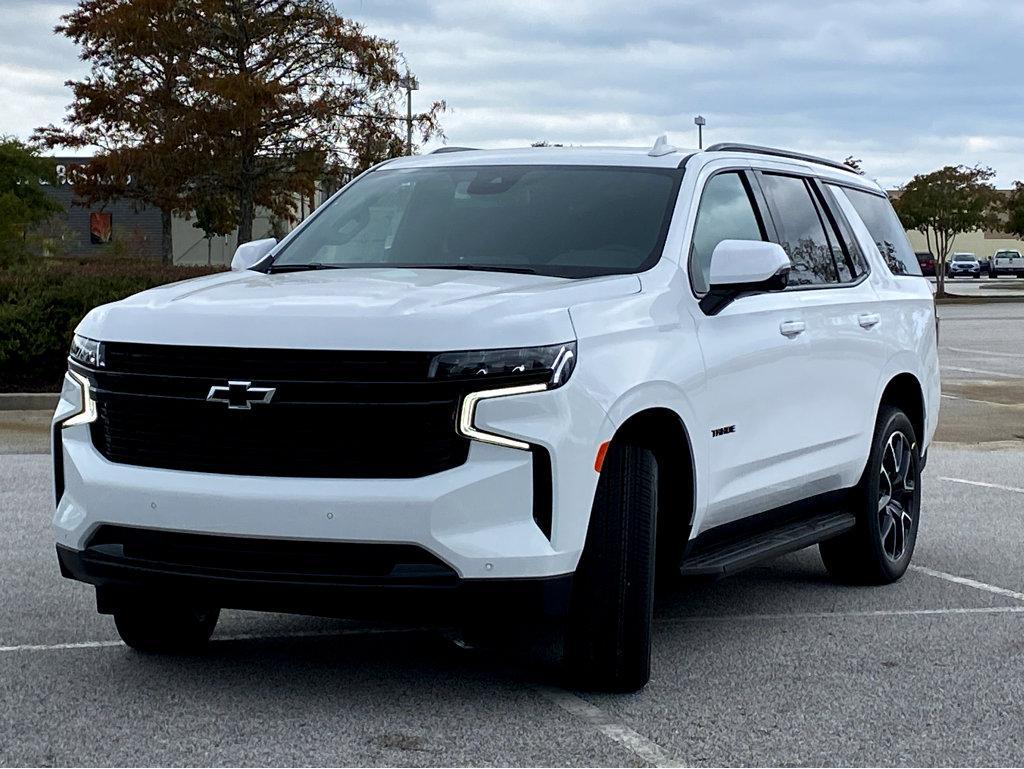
(927, 262)
(986, 265)
(498, 385)
(1008, 263)
(963, 265)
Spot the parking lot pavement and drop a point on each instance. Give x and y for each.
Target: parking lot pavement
(984, 287)
(777, 665)
(981, 354)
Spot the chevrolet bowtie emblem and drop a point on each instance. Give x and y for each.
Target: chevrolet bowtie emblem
(240, 395)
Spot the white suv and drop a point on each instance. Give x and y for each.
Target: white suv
(508, 384)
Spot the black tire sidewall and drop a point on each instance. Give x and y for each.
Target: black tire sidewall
(609, 632)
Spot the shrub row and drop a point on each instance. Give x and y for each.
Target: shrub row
(41, 303)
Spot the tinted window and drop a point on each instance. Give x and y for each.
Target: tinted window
(801, 231)
(726, 212)
(569, 222)
(885, 228)
(849, 257)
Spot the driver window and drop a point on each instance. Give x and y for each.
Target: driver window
(726, 212)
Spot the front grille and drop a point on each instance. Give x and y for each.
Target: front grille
(333, 414)
(257, 558)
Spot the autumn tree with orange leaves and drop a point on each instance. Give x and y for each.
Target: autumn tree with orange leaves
(228, 104)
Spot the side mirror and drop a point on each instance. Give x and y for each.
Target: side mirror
(749, 265)
(741, 267)
(248, 254)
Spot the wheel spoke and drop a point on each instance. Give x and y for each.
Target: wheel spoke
(899, 537)
(889, 527)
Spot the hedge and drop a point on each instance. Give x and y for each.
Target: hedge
(40, 305)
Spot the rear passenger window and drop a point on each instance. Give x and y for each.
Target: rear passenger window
(802, 231)
(726, 212)
(885, 228)
(849, 257)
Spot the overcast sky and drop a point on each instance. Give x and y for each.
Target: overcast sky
(906, 85)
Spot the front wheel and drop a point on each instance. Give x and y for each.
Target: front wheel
(165, 629)
(887, 502)
(608, 641)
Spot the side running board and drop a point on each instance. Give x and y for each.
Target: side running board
(734, 555)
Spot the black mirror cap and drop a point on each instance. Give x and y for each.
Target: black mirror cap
(721, 296)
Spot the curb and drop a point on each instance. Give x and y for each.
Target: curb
(28, 401)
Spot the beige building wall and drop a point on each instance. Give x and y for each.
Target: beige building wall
(979, 243)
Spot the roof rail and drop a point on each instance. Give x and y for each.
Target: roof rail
(733, 147)
(443, 150)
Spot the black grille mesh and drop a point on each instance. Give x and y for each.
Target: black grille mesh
(334, 415)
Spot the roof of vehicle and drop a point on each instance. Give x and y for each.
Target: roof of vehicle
(661, 155)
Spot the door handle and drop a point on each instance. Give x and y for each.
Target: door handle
(792, 328)
(869, 320)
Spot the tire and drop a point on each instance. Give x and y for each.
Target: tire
(608, 639)
(162, 629)
(878, 550)
(977, 276)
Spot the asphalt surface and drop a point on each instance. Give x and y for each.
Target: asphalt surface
(775, 666)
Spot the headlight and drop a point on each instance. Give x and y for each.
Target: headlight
(501, 373)
(551, 365)
(87, 351)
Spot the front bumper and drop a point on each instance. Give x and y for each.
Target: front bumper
(121, 580)
(478, 518)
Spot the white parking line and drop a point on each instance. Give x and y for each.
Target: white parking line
(847, 614)
(633, 741)
(986, 372)
(999, 486)
(970, 583)
(215, 639)
(985, 353)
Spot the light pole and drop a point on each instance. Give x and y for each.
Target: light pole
(410, 84)
(700, 122)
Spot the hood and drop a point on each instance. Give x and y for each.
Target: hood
(368, 309)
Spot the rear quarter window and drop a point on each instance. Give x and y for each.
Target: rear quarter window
(885, 228)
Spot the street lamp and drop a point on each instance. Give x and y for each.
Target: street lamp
(700, 122)
(410, 84)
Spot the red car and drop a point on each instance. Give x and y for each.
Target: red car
(927, 262)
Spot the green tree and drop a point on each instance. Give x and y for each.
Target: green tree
(1013, 211)
(137, 106)
(216, 217)
(257, 99)
(944, 203)
(24, 203)
(291, 91)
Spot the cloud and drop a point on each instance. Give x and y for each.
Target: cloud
(906, 85)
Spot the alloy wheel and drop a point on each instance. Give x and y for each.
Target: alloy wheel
(896, 496)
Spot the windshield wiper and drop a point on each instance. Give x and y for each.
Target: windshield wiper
(473, 267)
(303, 267)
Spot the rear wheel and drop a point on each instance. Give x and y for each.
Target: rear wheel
(887, 503)
(608, 643)
(163, 629)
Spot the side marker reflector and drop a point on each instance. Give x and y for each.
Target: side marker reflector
(601, 451)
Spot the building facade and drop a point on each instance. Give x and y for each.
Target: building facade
(127, 228)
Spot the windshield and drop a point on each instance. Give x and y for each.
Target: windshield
(565, 221)
(963, 258)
